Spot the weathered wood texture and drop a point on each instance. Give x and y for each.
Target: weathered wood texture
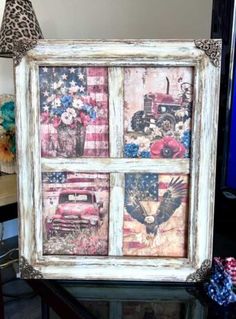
(201, 165)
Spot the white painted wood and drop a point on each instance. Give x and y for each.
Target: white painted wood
(161, 50)
(24, 155)
(116, 102)
(194, 182)
(114, 272)
(207, 160)
(117, 261)
(115, 165)
(201, 167)
(116, 213)
(36, 150)
(111, 62)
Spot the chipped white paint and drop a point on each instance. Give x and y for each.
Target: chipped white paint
(116, 212)
(116, 102)
(105, 165)
(114, 55)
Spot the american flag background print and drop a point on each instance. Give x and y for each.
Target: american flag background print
(74, 111)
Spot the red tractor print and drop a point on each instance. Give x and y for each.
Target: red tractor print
(160, 108)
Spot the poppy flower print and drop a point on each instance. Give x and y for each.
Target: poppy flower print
(167, 147)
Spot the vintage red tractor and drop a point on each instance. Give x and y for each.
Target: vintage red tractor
(162, 108)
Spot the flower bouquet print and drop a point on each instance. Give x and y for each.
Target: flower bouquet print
(73, 112)
(158, 112)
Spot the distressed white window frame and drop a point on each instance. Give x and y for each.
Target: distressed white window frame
(203, 56)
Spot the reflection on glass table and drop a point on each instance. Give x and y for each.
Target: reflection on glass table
(132, 301)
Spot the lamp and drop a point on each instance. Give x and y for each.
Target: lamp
(20, 29)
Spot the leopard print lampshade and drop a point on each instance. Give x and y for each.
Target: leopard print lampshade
(20, 29)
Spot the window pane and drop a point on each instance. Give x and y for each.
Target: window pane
(75, 213)
(74, 111)
(155, 215)
(158, 103)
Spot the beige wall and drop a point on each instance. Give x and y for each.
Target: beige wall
(116, 19)
(124, 18)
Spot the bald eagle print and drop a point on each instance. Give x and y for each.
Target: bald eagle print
(151, 200)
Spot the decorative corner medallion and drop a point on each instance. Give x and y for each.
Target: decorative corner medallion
(27, 271)
(200, 274)
(212, 48)
(21, 47)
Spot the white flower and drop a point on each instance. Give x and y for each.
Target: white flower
(71, 111)
(182, 112)
(77, 103)
(179, 127)
(60, 83)
(51, 98)
(67, 118)
(54, 86)
(143, 143)
(187, 124)
(73, 89)
(63, 91)
(130, 139)
(156, 132)
(56, 102)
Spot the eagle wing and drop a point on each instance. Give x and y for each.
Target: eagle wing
(171, 200)
(134, 208)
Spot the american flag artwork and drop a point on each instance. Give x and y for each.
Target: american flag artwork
(74, 111)
(75, 213)
(155, 215)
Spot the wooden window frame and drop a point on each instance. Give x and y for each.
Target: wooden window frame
(204, 57)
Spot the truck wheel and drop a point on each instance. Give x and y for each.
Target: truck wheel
(138, 121)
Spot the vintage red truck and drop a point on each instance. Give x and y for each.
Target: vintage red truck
(76, 209)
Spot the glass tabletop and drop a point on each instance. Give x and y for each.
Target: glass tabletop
(134, 300)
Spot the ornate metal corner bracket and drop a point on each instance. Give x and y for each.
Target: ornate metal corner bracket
(27, 271)
(212, 48)
(200, 274)
(20, 48)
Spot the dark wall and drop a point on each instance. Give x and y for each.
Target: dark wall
(225, 201)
